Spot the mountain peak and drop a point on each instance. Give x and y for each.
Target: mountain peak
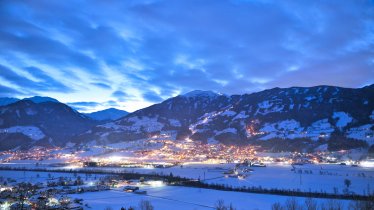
(41, 99)
(107, 114)
(201, 93)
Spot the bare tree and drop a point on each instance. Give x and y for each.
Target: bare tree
(291, 204)
(231, 207)
(277, 206)
(347, 182)
(334, 205)
(145, 205)
(310, 204)
(361, 205)
(220, 205)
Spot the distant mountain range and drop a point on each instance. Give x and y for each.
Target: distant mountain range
(278, 119)
(103, 115)
(36, 99)
(107, 114)
(321, 117)
(27, 123)
(44, 121)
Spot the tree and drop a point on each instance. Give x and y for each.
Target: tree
(145, 205)
(347, 182)
(220, 205)
(334, 205)
(291, 204)
(310, 204)
(277, 206)
(24, 190)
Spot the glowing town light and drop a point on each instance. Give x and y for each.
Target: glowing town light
(52, 202)
(368, 164)
(114, 158)
(149, 167)
(156, 183)
(5, 205)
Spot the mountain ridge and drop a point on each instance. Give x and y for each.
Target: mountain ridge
(316, 114)
(107, 114)
(277, 119)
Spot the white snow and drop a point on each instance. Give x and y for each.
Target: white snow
(241, 115)
(343, 119)
(31, 131)
(111, 125)
(212, 141)
(319, 129)
(288, 129)
(30, 111)
(265, 105)
(175, 123)
(227, 130)
(291, 129)
(138, 124)
(150, 124)
(363, 132)
(184, 198)
(201, 93)
(228, 113)
(324, 177)
(310, 98)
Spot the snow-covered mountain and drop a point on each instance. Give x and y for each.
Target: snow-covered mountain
(39, 121)
(278, 118)
(107, 114)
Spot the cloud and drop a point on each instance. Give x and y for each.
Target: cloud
(101, 85)
(50, 83)
(152, 50)
(90, 106)
(152, 97)
(8, 92)
(121, 96)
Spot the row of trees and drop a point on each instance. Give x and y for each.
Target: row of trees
(312, 204)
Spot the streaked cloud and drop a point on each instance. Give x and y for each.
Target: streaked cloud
(136, 53)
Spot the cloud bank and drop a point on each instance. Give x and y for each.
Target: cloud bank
(135, 53)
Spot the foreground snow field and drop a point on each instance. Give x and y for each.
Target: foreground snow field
(316, 178)
(322, 177)
(172, 197)
(184, 198)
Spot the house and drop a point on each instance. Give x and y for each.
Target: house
(142, 192)
(130, 188)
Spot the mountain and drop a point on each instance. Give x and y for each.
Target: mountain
(36, 99)
(6, 101)
(41, 99)
(39, 121)
(107, 114)
(277, 119)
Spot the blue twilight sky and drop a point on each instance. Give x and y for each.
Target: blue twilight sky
(131, 54)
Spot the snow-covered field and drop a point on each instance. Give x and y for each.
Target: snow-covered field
(184, 198)
(323, 177)
(315, 178)
(172, 197)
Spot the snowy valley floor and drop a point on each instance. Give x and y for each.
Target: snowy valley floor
(322, 177)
